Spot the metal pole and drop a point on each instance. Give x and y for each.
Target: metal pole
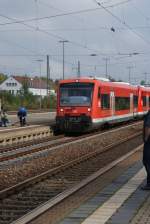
(145, 77)
(78, 69)
(0, 105)
(40, 89)
(63, 42)
(106, 66)
(63, 60)
(95, 69)
(129, 74)
(48, 75)
(40, 60)
(129, 68)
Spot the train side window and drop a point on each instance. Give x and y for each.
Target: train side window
(144, 101)
(135, 101)
(105, 101)
(99, 93)
(122, 103)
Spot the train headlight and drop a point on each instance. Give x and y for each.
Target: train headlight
(61, 110)
(89, 109)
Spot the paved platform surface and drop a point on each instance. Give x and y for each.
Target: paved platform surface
(32, 119)
(121, 202)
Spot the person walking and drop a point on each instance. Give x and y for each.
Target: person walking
(22, 113)
(146, 150)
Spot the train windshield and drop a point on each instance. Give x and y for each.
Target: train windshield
(76, 94)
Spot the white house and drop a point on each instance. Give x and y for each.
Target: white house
(11, 85)
(35, 85)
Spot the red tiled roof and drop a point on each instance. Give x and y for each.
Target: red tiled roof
(34, 82)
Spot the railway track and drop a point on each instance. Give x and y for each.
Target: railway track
(46, 187)
(13, 152)
(33, 146)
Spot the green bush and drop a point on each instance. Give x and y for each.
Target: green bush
(13, 102)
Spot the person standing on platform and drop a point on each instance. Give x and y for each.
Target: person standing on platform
(146, 151)
(4, 119)
(22, 114)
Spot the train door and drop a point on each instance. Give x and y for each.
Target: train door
(131, 102)
(99, 98)
(112, 103)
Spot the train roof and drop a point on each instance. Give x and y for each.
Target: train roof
(144, 88)
(106, 82)
(101, 80)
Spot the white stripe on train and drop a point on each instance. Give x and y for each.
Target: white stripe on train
(117, 117)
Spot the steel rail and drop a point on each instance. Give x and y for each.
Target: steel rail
(14, 152)
(31, 216)
(4, 193)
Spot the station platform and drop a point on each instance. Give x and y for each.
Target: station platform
(32, 119)
(120, 202)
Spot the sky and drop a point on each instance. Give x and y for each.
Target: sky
(116, 31)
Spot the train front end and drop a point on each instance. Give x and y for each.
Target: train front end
(74, 105)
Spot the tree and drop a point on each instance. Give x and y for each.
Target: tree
(2, 77)
(25, 86)
(142, 82)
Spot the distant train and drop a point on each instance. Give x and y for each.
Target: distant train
(87, 103)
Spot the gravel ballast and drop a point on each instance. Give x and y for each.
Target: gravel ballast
(48, 159)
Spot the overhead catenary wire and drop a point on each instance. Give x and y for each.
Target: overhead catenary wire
(62, 14)
(125, 54)
(34, 53)
(58, 36)
(95, 29)
(41, 30)
(53, 35)
(122, 22)
(141, 13)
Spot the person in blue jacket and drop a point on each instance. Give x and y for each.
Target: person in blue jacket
(146, 151)
(22, 114)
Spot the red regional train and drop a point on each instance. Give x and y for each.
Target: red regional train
(88, 103)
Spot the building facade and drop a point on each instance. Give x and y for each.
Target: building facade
(11, 85)
(36, 86)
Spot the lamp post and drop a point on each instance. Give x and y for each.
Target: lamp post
(40, 61)
(63, 43)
